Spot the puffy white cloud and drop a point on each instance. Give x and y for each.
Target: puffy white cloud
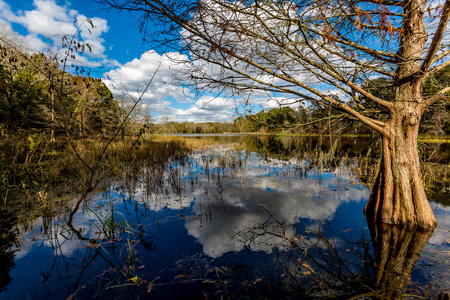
(30, 43)
(48, 19)
(171, 68)
(35, 44)
(135, 75)
(5, 11)
(132, 78)
(48, 22)
(206, 109)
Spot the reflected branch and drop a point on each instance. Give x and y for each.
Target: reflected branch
(323, 263)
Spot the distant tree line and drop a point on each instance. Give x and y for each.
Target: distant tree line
(31, 99)
(316, 118)
(190, 127)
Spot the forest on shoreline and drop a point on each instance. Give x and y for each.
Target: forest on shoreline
(38, 96)
(54, 123)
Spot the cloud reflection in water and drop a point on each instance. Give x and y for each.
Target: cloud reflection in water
(228, 200)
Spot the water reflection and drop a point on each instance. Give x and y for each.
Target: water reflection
(288, 146)
(396, 252)
(229, 222)
(7, 239)
(225, 199)
(242, 203)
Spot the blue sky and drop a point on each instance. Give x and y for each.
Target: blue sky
(118, 55)
(121, 59)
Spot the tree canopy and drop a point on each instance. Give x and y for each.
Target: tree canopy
(297, 50)
(29, 88)
(321, 51)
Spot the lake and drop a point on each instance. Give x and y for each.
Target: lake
(251, 217)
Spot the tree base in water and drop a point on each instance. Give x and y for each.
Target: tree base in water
(398, 197)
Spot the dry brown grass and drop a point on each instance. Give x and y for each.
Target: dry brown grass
(35, 171)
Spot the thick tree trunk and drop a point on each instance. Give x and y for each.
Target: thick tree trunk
(398, 196)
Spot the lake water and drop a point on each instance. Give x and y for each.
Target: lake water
(251, 217)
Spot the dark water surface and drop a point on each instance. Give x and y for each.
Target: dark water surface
(251, 217)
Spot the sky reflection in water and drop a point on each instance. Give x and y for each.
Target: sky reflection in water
(218, 215)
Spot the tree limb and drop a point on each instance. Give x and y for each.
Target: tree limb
(438, 96)
(437, 37)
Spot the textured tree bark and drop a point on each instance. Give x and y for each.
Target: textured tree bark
(396, 251)
(398, 196)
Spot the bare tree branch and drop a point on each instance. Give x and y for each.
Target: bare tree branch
(437, 37)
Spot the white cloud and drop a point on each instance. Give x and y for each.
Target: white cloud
(215, 104)
(277, 102)
(48, 22)
(91, 34)
(135, 75)
(36, 44)
(132, 78)
(6, 12)
(48, 19)
(207, 109)
(173, 71)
